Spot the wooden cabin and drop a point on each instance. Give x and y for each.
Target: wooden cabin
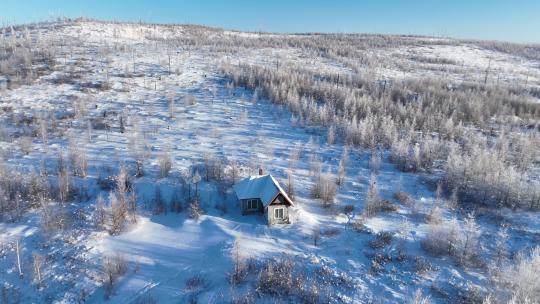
(263, 194)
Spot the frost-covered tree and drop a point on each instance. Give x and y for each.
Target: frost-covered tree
(500, 252)
(342, 167)
(373, 200)
(521, 281)
(118, 214)
(375, 162)
(443, 238)
(290, 184)
(325, 188)
(471, 246)
(165, 163)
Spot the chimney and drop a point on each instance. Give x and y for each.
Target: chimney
(261, 171)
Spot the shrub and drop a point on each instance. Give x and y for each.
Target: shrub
(190, 100)
(359, 225)
(106, 183)
(435, 215)
(381, 240)
(330, 232)
(376, 206)
(247, 298)
(442, 238)
(378, 262)
(26, 144)
(195, 283)
(276, 277)
(403, 197)
(422, 265)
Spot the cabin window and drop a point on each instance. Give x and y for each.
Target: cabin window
(252, 204)
(278, 213)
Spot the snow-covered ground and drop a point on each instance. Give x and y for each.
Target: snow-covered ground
(164, 251)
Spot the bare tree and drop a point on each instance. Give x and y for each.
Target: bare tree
(315, 166)
(487, 71)
(77, 156)
(349, 212)
(172, 106)
(316, 235)
(100, 212)
(239, 272)
(294, 156)
(64, 186)
(159, 204)
(113, 268)
(331, 135)
(137, 146)
(190, 100)
(195, 210)
(176, 202)
(290, 185)
(122, 183)
(43, 131)
(38, 261)
(18, 252)
(132, 205)
(195, 179)
(325, 188)
(234, 171)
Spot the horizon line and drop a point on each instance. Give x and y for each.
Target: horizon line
(148, 22)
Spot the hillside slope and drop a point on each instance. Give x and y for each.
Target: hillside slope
(413, 163)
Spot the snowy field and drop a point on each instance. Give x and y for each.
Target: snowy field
(176, 102)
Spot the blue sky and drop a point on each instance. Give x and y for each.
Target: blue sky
(511, 20)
